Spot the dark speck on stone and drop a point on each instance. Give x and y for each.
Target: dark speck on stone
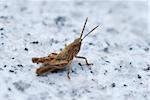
(146, 69)
(141, 83)
(88, 91)
(91, 72)
(60, 21)
(92, 79)
(75, 31)
(60, 49)
(28, 34)
(112, 30)
(54, 41)
(5, 65)
(80, 3)
(124, 85)
(107, 61)
(4, 17)
(5, 6)
(44, 23)
(19, 65)
(21, 86)
(139, 76)
(9, 89)
(130, 48)
(91, 44)
(12, 58)
(146, 49)
(1, 69)
(51, 83)
(26, 49)
(73, 71)
(106, 50)
(117, 69)
(11, 71)
(113, 85)
(35, 42)
(1, 28)
(74, 92)
(61, 92)
(23, 9)
(107, 43)
(105, 72)
(80, 64)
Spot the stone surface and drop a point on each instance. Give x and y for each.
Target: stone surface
(119, 49)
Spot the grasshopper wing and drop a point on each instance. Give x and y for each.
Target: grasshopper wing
(51, 57)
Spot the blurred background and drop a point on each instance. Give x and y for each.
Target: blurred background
(119, 49)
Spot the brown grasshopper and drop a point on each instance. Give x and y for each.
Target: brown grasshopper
(59, 61)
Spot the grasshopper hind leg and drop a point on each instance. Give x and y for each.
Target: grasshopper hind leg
(51, 67)
(43, 70)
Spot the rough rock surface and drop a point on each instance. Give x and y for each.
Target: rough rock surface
(119, 49)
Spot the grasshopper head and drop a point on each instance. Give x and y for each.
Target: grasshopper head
(75, 46)
(77, 42)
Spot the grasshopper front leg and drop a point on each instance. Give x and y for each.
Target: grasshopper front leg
(85, 60)
(69, 68)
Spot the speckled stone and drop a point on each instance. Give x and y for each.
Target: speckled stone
(119, 49)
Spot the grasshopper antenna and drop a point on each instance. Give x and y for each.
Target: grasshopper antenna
(83, 27)
(90, 32)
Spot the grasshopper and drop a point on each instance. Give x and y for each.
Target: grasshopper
(62, 60)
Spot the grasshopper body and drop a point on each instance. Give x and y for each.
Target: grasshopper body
(63, 59)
